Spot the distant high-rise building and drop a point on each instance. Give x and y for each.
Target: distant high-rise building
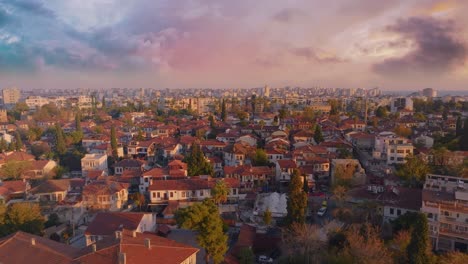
(266, 91)
(401, 103)
(11, 96)
(429, 92)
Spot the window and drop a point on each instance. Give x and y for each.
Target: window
(159, 195)
(201, 193)
(154, 195)
(146, 179)
(392, 211)
(430, 215)
(172, 194)
(408, 151)
(183, 194)
(398, 212)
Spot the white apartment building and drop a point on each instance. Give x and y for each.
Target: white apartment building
(36, 102)
(445, 202)
(391, 148)
(93, 162)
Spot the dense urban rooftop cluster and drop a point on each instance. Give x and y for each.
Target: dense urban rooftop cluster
(287, 175)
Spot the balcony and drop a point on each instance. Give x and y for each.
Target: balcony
(453, 233)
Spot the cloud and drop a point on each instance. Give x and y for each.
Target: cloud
(312, 55)
(32, 6)
(436, 49)
(287, 15)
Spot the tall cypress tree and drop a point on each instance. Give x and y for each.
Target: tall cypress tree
(296, 201)
(464, 136)
(18, 141)
(3, 145)
(60, 140)
(223, 111)
(114, 142)
(318, 137)
(417, 250)
(459, 127)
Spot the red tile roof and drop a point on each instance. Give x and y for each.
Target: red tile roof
(191, 184)
(105, 224)
(18, 248)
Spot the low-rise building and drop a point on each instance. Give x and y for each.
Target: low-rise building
(193, 189)
(93, 162)
(445, 203)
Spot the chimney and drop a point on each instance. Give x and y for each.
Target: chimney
(148, 243)
(33, 241)
(118, 234)
(122, 258)
(134, 233)
(93, 246)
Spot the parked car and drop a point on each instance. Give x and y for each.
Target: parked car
(264, 259)
(322, 211)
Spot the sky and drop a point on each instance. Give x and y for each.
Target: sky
(391, 44)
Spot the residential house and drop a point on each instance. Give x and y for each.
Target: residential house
(105, 195)
(93, 162)
(192, 189)
(105, 224)
(128, 164)
(52, 190)
(284, 170)
(13, 190)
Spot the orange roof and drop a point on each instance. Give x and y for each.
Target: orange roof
(105, 224)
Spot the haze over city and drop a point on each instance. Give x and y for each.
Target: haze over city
(394, 45)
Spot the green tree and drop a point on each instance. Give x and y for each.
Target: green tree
(25, 217)
(220, 192)
(14, 169)
(78, 129)
(403, 131)
(60, 146)
(464, 137)
(3, 145)
(418, 249)
(340, 194)
(318, 137)
(140, 136)
(53, 220)
(138, 199)
(204, 218)
(223, 110)
(267, 217)
(246, 256)
(114, 143)
(381, 112)
(459, 126)
(40, 149)
(260, 158)
(18, 141)
(197, 163)
(296, 201)
(413, 171)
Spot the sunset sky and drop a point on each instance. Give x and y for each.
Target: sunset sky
(392, 44)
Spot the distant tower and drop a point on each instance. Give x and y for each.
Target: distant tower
(266, 91)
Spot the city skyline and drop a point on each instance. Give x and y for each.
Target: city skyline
(395, 45)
